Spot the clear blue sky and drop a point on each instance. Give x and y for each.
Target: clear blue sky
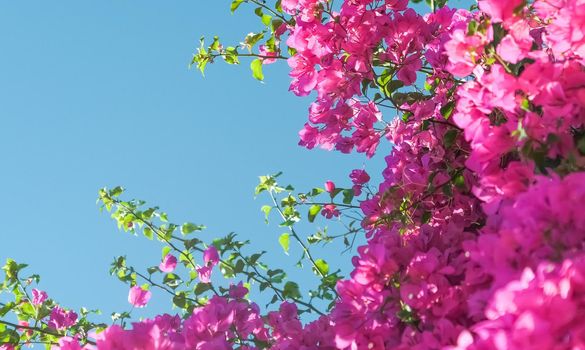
(97, 93)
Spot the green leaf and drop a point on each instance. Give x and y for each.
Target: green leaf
(239, 267)
(28, 310)
(428, 86)
(447, 190)
(525, 104)
(447, 109)
(392, 86)
(450, 138)
(472, 27)
(186, 257)
(189, 227)
(148, 233)
(266, 19)
(253, 38)
(201, 288)
(347, 196)
(316, 191)
(190, 243)
(335, 192)
(406, 116)
(116, 191)
(256, 67)
(459, 182)
(226, 270)
(266, 209)
(180, 300)
(313, 212)
(284, 241)
(165, 251)
(235, 5)
(291, 290)
(322, 266)
(231, 55)
(147, 214)
(6, 308)
(426, 217)
(172, 280)
(276, 23)
(401, 98)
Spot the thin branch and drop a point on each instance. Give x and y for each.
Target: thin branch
(154, 284)
(336, 204)
(269, 9)
(38, 330)
(299, 240)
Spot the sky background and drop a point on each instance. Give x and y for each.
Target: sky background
(98, 93)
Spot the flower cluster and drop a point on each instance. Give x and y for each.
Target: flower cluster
(475, 233)
(543, 309)
(484, 178)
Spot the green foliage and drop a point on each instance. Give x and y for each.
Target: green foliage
(450, 138)
(256, 67)
(188, 227)
(314, 210)
(447, 109)
(284, 241)
(235, 4)
(322, 267)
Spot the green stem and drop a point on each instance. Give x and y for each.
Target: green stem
(299, 240)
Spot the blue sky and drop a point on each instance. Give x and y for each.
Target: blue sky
(98, 93)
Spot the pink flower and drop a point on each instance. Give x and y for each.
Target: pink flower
(39, 296)
(204, 273)
(329, 186)
(407, 73)
(238, 291)
(263, 51)
(290, 6)
(329, 211)
(359, 176)
(61, 319)
(303, 74)
(464, 52)
(26, 324)
(138, 296)
(309, 136)
(499, 10)
(68, 343)
(211, 256)
(168, 264)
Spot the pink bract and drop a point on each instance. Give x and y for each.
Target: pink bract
(139, 297)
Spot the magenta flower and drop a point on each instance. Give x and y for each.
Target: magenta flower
(238, 290)
(68, 343)
(204, 273)
(359, 176)
(39, 296)
(329, 211)
(329, 186)
(61, 319)
(138, 296)
(211, 256)
(264, 51)
(168, 264)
